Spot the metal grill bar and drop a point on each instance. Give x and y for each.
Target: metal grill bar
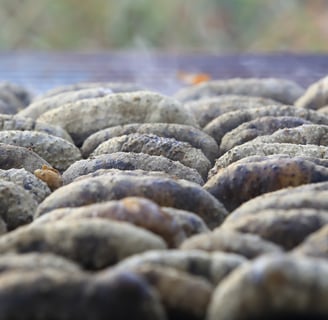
(157, 71)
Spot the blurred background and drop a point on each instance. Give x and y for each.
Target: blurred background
(218, 26)
(161, 44)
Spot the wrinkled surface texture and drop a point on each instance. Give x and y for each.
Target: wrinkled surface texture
(205, 110)
(158, 146)
(194, 136)
(82, 118)
(238, 183)
(131, 161)
(179, 194)
(223, 124)
(120, 203)
(258, 127)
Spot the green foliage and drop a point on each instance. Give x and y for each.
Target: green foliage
(211, 25)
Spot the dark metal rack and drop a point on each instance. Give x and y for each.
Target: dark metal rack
(157, 71)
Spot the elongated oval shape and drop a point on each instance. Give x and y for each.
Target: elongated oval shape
(282, 90)
(181, 132)
(274, 287)
(213, 266)
(85, 117)
(252, 148)
(319, 161)
(131, 161)
(306, 134)
(40, 106)
(223, 124)
(308, 196)
(57, 151)
(36, 262)
(157, 146)
(228, 240)
(207, 109)
(77, 296)
(20, 157)
(137, 211)
(93, 244)
(239, 183)
(179, 194)
(287, 228)
(255, 128)
(175, 225)
(137, 172)
(28, 181)
(14, 122)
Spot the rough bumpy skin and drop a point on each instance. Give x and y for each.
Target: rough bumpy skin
(138, 211)
(131, 161)
(311, 196)
(13, 122)
(318, 161)
(19, 157)
(287, 228)
(94, 244)
(273, 287)
(172, 224)
(134, 173)
(35, 262)
(157, 146)
(180, 194)
(17, 205)
(278, 156)
(174, 288)
(83, 118)
(264, 149)
(306, 134)
(207, 109)
(28, 181)
(53, 294)
(223, 124)
(257, 127)
(282, 90)
(195, 137)
(57, 151)
(315, 245)
(226, 240)
(112, 86)
(212, 266)
(316, 96)
(40, 106)
(241, 182)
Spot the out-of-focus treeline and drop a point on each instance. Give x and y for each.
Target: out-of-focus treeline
(173, 25)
